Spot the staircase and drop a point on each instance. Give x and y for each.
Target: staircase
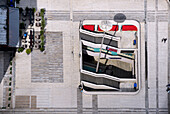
(1, 65)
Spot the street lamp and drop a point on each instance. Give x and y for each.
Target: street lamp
(105, 26)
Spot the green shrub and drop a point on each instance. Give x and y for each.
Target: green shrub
(9, 94)
(43, 23)
(9, 98)
(10, 68)
(20, 49)
(8, 105)
(42, 38)
(10, 78)
(9, 83)
(34, 10)
(42, 49)
(42, 44)
(28, 51)
(9, 89)
(10, 62)
(42, 10)
(42, 14)
(41, 32)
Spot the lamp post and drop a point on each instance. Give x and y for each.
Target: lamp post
(105, 26)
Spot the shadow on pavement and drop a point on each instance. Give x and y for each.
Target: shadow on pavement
(7, 54)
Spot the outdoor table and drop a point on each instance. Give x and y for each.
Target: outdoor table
(23, 19)
(37, 14)
(38, 19)
(38, 24)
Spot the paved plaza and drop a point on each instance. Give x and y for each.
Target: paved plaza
(48, 66)
(47, 83)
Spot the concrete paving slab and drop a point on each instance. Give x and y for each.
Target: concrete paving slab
(162, 5)
(54, 4)
(48, 67)
(152, 64)
(64, 97)
(87, 101)
(122, 112)
(151, 5)
(107, 5)
(23, 70)
(162, 64)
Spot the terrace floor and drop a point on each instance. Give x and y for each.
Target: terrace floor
(48, 66)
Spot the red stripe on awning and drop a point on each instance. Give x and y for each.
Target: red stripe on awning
(99, 29)
(110, 49)
(88, 27)
(114, 28)
(129, 28)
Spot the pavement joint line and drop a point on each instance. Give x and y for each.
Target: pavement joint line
(71, 9)
(168, 54)
(84, 110)
(146, 59)
(79, 101)
(95, 104)
(105, 11)
(157, 60)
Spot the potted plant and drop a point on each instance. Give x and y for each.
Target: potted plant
(34, 10)
(28, 51)
(20, 49)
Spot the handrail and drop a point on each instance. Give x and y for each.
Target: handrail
(99, 35)
(107, 76)
(97, 86)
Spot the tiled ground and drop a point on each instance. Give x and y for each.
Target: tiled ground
(48, 66)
